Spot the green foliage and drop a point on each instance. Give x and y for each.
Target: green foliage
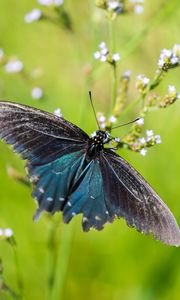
(51, 260)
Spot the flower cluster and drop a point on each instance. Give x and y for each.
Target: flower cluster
(6, 233)
(104, 122)
(117, 7)
(149, 140)
(169, 58)
(142, 82)
(135, 142)
(104, 55)
(171, 96)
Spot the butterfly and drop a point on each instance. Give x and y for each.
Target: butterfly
(76, 174)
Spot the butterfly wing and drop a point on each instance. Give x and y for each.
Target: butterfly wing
(53, 147)
(38, 136)
(128, 195)
(88, 197)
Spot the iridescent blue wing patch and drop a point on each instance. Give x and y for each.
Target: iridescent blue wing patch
(53, 181)
(88, 197)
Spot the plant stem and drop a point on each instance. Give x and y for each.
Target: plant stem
(114, 68)
(51, 256)
(62, 263)
(18, 273)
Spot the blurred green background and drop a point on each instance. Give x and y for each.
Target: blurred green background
(116, 263)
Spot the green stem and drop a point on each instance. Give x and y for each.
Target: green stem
(114, 67)
(114, 85)
(51, 255)
(18, 272)
(62, 263)
(14, 296)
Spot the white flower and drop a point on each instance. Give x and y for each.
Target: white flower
(8, 232)
(112, 119)
(143, 151)
(101, 119)
(116, 57)
(32, 16)
(14, 66)
(171, 89)
(58, 2)
(1, 53)
(97, 55)
(142, 140)
(45, 2)
(143, 80)
(174, 60)
(127, 73)
(149, 133)
(158, 139)
(146, 80)
(37, 93)
(117, 139)
(51, 2)
(103, 58)
(104, 51)
(138, 9)
(102, 45)
(113, 4)
(166, 53)
(58, 112)
(140, 121)
(1, 232)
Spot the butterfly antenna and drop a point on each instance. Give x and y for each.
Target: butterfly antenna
(125, 124)
(90, 97)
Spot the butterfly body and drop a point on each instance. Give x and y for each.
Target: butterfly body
(76, 174)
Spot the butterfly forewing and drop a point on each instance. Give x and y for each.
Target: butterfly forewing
(38, 136)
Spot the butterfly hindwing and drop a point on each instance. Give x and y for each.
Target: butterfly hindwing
(131, 197)
(53, 181)
(88, 198)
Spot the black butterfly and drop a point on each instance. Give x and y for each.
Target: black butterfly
(74, 173)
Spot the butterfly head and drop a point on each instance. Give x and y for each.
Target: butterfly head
(100, 137)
